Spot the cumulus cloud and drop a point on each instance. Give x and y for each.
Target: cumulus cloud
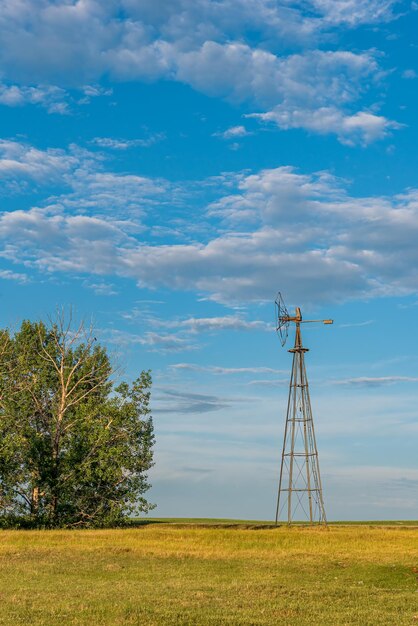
(313, 90)
(80, 171)
(54, 241)
(313, 78)
(235, 132)
(355, 12)
(50, 97)
(363, 127)
(86, 36)
(19, 160)
(205, 45)
(81, 41)
(229, 268)
(123, 194)
(276, 228)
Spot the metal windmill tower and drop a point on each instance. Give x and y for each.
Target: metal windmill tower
(300, 488)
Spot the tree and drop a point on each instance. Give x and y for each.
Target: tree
(74, 448)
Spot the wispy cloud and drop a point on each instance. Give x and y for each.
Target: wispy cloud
(375, 381)
(354, 12)
(169, 401)
(356, 324)
(173, 401)
(125, 144)
(269, 383)
(16, 276)
(155, 342)
(101, 288)
(213, 324)
(216, 369)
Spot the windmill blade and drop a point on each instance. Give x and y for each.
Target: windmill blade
(282, 330)
(282, 319)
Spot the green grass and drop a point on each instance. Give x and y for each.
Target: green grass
(208, 575)
(209, 521)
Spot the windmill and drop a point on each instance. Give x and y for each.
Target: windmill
(300, 489)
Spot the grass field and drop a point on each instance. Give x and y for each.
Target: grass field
(205, 574)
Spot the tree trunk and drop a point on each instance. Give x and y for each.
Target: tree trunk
(34, 501)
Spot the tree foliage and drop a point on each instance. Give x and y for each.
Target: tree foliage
(74, 448)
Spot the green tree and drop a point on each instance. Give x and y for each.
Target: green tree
(74, 449)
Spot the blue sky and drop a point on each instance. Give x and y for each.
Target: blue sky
(167, 167)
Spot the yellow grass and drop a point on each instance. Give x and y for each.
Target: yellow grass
(166, 575)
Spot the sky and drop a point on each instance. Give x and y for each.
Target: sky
(167, 167)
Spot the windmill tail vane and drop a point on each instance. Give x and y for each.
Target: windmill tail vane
(300, 495)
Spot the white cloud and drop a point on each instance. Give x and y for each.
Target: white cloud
(205, 45)
(314, 78)
(16, 276)
(54, 241)
(229, 268)
(409, 74)
(101, 288)
(233, 133)
(123, 194)
(302, 233)
(81, 41)
(81, 171)
(50, 97)
(19, 160)
(354, 12)
(362, 127)
(314, 90)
